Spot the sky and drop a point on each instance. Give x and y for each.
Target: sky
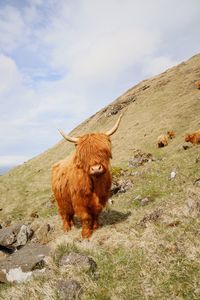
(63, 60)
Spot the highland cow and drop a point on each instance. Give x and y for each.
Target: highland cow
(193, 138)
(162, 140)
(82, 185)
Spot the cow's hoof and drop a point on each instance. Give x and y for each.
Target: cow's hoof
(86, 233)
(66, 227)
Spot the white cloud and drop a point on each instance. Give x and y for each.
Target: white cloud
(12, 28)
(9, 75)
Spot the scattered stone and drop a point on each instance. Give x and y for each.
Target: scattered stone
(115, 188)
(114, 110)
(22, 237)
(79, 261)
(41, 233)
(139, 159)
(154, 216)
(68, 289)
(17, 275)
(121, 186)
(34, 215)
(136, 173)
(15, 236)
(145, 201)
(22, 262)
(192, 207)
(172, 174)
(110, 201)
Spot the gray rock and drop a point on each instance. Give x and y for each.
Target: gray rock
(14, 236)
(192, 208)
(25, 260)
(22, 237)
(121, 186)
(125, 185)
(78, 261)
(68, 289)
(139, 159)
(145, 201)
(152, 217)
(41, 232)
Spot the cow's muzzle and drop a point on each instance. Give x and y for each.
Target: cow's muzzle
(96, 170)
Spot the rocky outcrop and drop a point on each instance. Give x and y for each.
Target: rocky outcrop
(140, 158)
(15, 236)
(22, 264)
(78, 261)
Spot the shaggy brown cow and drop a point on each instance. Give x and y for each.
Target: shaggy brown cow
(162, 140)
(193, 138)
(82, 186)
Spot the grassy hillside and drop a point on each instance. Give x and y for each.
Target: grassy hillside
(168, 101)
(142, 251)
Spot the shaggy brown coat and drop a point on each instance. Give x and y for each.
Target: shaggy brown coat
(78, 191)
(162, 140)
(193, 138)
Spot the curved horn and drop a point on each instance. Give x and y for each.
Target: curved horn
(68, 138)
(115, 127)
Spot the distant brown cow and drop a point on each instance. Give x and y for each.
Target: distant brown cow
(82, 185)
(193, 138)
(162, 140)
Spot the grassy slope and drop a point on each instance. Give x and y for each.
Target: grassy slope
(155, 259)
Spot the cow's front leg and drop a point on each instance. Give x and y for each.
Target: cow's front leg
(96, 223)
(67, 221)
(86, 221)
